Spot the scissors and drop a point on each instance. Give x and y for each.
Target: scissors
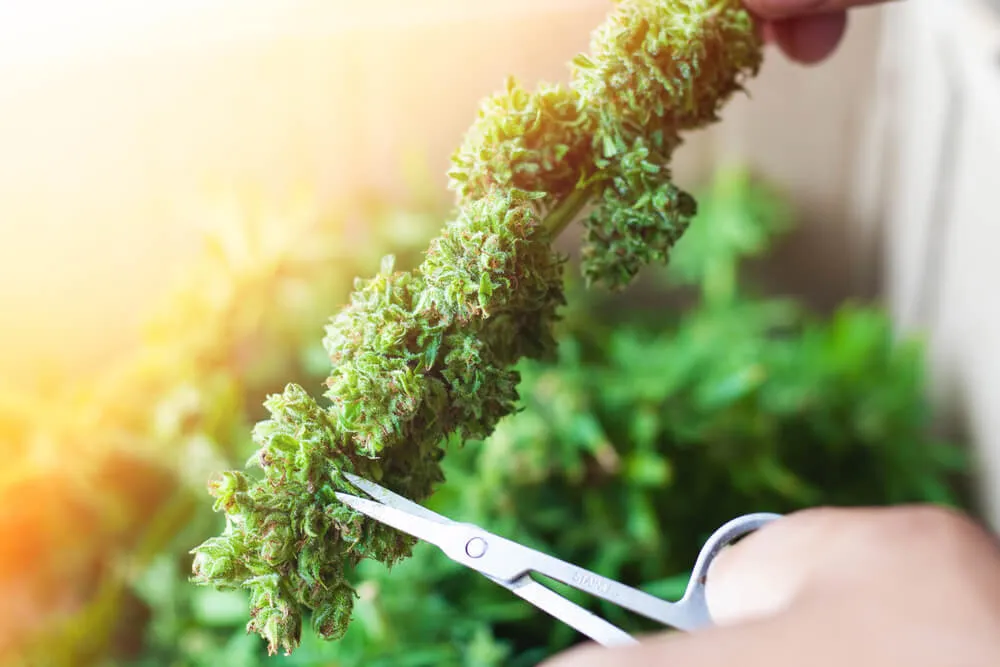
(510, 565)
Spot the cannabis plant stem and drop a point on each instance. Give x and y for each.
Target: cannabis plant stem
(559, 218)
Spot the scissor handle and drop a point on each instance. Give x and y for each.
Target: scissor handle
(694, 603)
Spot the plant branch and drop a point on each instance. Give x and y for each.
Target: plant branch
(562, 216)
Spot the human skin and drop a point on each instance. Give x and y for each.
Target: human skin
(870, 587)
(807, 31)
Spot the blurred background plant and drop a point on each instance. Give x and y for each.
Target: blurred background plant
(671, 408)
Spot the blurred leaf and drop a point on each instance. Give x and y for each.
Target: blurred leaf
(219, 609)
(738, 218)
(670, 588)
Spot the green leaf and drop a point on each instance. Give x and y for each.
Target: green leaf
(648, 469)
(219, 609)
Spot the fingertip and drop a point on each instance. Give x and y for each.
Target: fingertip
(809, 40)
(757, 577)
(768, 33)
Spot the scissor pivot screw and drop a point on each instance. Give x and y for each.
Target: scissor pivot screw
(476, 547)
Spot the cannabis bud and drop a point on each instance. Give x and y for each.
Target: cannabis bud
(424, 358)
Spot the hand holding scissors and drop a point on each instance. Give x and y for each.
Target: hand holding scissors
(510, 565)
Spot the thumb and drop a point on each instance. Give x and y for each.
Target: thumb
(784, 640)
(748, 584)
(751, 590)
(764, 573)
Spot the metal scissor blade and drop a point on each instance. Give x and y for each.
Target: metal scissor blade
(445, 533)
(510, 564)
(573, 615)
(438, 534)
(499, 558)
(387, 497)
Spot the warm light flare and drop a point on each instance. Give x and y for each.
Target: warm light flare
(54, 30)
(117, 114)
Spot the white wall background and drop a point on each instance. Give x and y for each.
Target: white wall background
(933, 162)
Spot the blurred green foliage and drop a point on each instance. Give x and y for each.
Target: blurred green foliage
(656, 423)
(102, 475)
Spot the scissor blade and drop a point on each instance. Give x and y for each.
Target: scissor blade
(431, 529)
(438, 534)
(387, 497)
(571, 614)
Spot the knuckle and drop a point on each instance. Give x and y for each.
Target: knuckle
(925, 522)
(823, 516)
(949, 534)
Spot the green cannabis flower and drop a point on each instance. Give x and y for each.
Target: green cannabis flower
(667, 65)
(418, 358)
(654, 69)
(639, 218)
(427, 357)
(537, 141)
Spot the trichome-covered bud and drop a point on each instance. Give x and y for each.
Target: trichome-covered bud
(330, 621)
(668, 64)
(419, 358)
(273, 616)
(280, 542)
(637, 221)
(377, 387)
(532, 140)
(655, 69)
(496, 262)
